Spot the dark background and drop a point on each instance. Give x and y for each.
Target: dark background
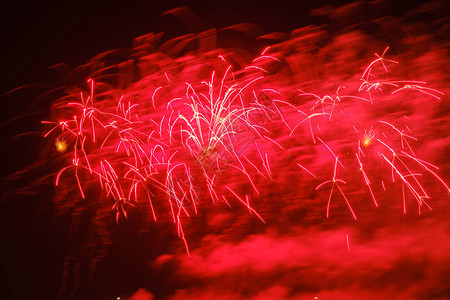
(35, 35)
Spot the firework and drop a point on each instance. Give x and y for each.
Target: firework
(183, 141)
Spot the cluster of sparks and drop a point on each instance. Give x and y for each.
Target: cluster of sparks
(185, 149)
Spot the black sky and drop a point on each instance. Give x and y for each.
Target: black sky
(38, 34)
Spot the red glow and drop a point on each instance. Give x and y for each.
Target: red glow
(193, 135)
(193, 139)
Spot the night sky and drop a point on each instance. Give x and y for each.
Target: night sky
(57, 245)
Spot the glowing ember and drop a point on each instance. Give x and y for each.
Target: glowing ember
(61, 145)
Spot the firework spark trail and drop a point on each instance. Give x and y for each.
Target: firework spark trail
(366, 179)
(192, 136)
(398, 164)
(130, 163)
(335, 183)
